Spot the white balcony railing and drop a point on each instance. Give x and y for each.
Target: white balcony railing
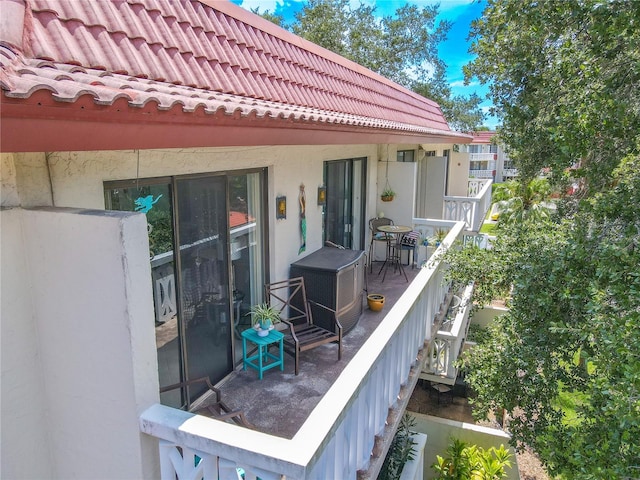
(481, 173)
(472, 209)
(509, 173)
(482, 157)
(446, 346)
(337, 439)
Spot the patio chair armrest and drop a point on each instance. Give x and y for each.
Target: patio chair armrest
(333, 313)
(229, 415)
(191, 382)
(291, 329)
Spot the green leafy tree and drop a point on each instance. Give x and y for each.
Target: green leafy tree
(565, 79)
(271, 16)
(518, 201)
(573, 328)
(402, 47)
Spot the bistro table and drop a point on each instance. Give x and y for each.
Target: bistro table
(393, 250)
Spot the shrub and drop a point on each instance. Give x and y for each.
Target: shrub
(400, 451)
(470, 462)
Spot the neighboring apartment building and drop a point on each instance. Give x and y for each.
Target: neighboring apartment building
(488, 159)
(204, 117)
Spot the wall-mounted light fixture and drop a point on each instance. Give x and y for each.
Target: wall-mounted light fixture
(281, 207)
(322, 195)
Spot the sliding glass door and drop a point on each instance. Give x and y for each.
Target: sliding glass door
(202, 227)
(204, 287)
(344, 210)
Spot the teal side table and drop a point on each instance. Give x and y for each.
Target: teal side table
(263, 360)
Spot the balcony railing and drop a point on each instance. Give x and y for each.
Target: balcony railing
(510, 173)
(337, 439)
(482, 157)
(481, 173)
(472, 209)
(446, 346)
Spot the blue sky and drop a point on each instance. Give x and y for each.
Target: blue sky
(454, 51)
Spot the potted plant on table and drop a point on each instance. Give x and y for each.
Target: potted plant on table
(263, 318)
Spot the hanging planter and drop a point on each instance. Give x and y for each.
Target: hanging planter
(387, 194)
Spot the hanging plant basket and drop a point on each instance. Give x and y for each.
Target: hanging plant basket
(388, 193)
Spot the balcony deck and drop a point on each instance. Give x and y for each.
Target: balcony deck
(334, 420)
(281, 402)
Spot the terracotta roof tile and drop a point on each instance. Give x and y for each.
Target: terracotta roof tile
(177, 53)
(482, 137)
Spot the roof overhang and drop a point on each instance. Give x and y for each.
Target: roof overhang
(48, 106)
(41, 124)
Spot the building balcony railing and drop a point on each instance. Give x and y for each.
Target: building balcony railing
(472, 209)
(481, 173)
(446, 346)
(509, 173)
(346, 434)
(482, 157)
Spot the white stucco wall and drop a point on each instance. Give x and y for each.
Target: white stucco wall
(487, 314)
(25, 432)
(78, 347)
(401, 178)
(458, 174)
(8, 181)
(77, 179)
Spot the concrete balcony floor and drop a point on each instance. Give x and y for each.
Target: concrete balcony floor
(281, 402)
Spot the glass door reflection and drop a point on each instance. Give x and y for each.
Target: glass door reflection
(204, 277)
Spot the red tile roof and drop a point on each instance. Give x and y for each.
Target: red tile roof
(482, 137)
(207, 59)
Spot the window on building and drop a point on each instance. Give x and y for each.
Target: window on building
(430, 153)
(406, 156)
(475, 148)
(493, 148)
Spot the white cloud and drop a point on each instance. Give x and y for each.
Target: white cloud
(461, 84)
(264, 5)
(448, 9)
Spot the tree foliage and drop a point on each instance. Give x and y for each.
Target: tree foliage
(271, 16)
(519, 200)
(402, 47)
(566, 78)
(573, 327)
